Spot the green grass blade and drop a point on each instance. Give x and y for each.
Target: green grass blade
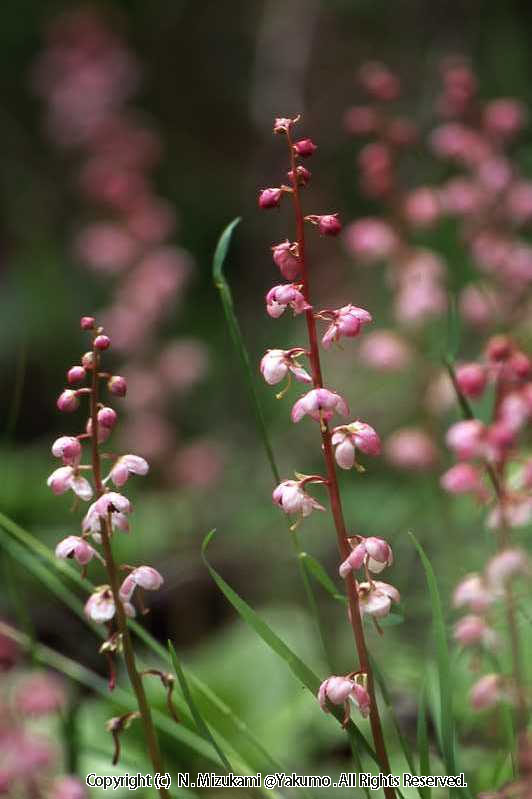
(423, 742)
(199, 721)
(315, 568)
(445, 722)
(301, 671)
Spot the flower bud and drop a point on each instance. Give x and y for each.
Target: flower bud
(328, 224)
(68, 448)
(117, 385)
(486, 692)
(68, 401)
(462, 479)
(87, 322)
(499, 348)
(302, 175)
(305, 147)
(471, 379)
(107, 417)
(270, 198)
(285, 258)
(76, 374)
(87, 360)
(520, 365)
(102, 342)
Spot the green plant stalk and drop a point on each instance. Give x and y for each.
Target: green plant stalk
(150, 734)
(237, 338)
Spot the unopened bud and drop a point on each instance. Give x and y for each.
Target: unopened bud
(102, 342)
(87, 322)
(117, 385)
(305, 147)
(107, 417)
(76, 374)
(68, 401)
(270, 198)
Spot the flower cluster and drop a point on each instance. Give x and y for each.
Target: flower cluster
(87, 77)
(321, 404)
(30, 764)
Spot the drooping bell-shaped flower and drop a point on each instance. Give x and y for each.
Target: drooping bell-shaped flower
(67, 478)
(340, 690)
(125, 466)
(68, 448)
(277, 364)
(73, 546)
(374, 552)
(348, 438)
(143, 576)
(279, 298)
(292, 498)
(320, 404)
(347, 321)
(376, 598)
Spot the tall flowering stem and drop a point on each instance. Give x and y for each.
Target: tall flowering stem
(292, 261)
(114, 580)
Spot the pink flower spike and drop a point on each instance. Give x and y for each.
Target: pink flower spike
(285, 257)
(68, 448)
(320, 404)
(292, 498)
(280, 297)
(65, 478)
(270, 198)
(100, 606)
(126, 465)
(145, 577)
(75, 547)
(68, 401)
(305, 147)
(117, 385)
(277, 364)
(76, 374)
(87, 322)
(347, 321)
(463, 479)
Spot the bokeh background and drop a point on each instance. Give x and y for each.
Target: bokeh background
(212, 76)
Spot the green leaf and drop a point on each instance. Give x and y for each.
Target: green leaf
(423, 742)
(444, 720)
(317, 571)
(195, 713)
(301, 671)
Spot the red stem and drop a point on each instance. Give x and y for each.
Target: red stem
(332, 485)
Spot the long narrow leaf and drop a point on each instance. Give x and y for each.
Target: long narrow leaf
(202, 727)
(301, 671)
(423, 742)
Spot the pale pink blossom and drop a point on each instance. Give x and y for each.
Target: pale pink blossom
(347, 321)
(505, 565)
(106, 247)
(40, 695)
(348, 438)
(471, 379)
(466, 438)
(67, 478)
(320, 404)
(463, 478)
(68, 401)
(279, 298)
(277, 364)
(517, 512)
(376, 598)
(100, 606)
(125, 466)
(473, 591)
(292, 498)
(416, 302)
(375, 552)
(487, 692)
(479, 304)
(286, 258)
(385, 351)
(473, 630)
(117, 505)
(370, 240)
(515, 410)
(144, 577)
(411, 448)
(75, 547)
(422, 207)
(339, 690)
(68, 448)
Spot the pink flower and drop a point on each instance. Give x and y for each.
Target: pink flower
(473, 592)
(280, 297)
(473, 630)
(471, 379)
(75, 547)
(117, 385)
(102, 342)
(68, 448)
(107, 417)
(277, 364)
(376, 598)
(100, 606)
(346, 321)
(320, 404)
(126, 465)
(376, 553)
(384, 350)
(339, 690)
(40, 695)
(65, 478)
(145, 577)
(422, 207)
(285, 257)
(487, 692)
(68, 401)
(305, 147)
(113, 503)
(328, 224)
(411, 448)
(292, 498)
(370, 240)
(87, 322)
(466, 438)
(68, 787)
(270, 198)
(347, 438)
(505, 565)
(379, 81)
(504, 117)
(462, 479)
(283, 124)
